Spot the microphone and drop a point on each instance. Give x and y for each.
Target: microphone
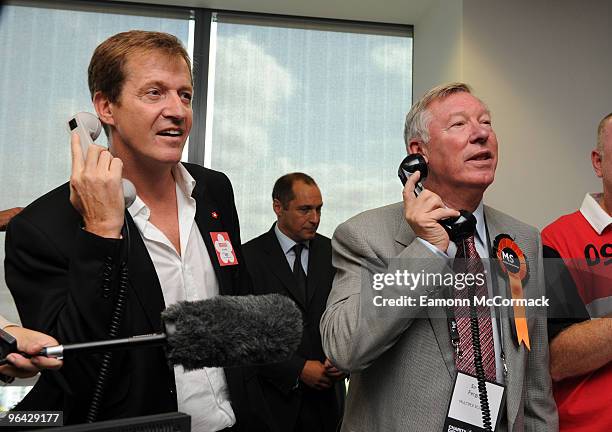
(223, 331)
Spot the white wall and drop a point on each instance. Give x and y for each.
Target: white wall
(437, 45)
(545, 70)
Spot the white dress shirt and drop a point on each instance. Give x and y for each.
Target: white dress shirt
(203, 393)
(287, 244)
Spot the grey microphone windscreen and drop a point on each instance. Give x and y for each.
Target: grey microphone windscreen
(230, 331)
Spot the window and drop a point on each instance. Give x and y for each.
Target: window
(323, 97)
(45, 53)
(43, 80)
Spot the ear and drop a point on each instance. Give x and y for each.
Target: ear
(596, 161)
(103, 108)
(277, 206)
(416, 146)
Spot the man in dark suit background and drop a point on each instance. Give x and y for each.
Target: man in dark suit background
(75, 254)
(306, 392)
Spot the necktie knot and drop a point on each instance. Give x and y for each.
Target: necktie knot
(298, 248)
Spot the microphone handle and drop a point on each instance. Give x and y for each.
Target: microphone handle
(150, 340)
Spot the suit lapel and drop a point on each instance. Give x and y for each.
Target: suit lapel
(206, 207)
(141, 271)
(143, 277)
(277, 262)
(515, 356)
(403, 238)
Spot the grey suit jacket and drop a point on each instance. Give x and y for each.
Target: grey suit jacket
(401, 362)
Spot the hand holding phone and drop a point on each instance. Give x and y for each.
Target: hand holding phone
(96, 190)
(88, 127)
(457, 224)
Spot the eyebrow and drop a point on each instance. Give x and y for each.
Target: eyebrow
(464, 114)
(158, 83)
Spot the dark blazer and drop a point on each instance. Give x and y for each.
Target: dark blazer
(56, 273)
(271, 273)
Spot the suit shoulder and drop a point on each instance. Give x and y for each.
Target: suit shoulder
(511, 223)
(254, 244)
(51, 216)
(322, 242)
(52, 206)
(381, 221)
(207, 175)
(322, 239)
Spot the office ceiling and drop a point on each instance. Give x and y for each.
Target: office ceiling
(384, 11)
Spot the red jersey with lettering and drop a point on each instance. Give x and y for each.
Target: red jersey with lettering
(584, 402)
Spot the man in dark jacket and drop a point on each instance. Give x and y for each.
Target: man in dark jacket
(306, 392)
(82, 268)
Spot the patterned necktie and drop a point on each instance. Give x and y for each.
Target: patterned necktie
(298, 271)
(467, 261)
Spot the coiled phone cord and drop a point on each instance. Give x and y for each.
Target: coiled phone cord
(480, 374)
(113, 332)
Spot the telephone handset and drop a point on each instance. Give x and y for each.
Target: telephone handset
(88, 127)
(459, 227)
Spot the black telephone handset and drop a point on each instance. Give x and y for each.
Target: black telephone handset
(458, 227)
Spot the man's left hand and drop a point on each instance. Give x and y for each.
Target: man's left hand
(332, 371)
(30, 342)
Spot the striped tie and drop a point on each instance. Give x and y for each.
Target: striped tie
(466, 261)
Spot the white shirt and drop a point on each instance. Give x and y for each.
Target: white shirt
(287, 244)
(594, 214)
(203, 393)
(481, 242)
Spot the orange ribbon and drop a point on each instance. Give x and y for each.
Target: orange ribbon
(516, 276)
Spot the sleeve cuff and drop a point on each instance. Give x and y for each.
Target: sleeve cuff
(4, 323)
(434, 249)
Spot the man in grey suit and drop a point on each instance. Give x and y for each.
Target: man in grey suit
(402, 360)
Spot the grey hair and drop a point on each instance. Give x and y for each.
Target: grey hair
(418, 118)
(600, 133)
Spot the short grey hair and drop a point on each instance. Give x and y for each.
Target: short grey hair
(600, 133)
(418, 118)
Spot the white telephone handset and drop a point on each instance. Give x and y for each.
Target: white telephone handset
(88, 127)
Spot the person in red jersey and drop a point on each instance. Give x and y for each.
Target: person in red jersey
(580, 291)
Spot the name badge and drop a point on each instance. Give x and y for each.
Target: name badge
(464, 414)
(224, 249)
